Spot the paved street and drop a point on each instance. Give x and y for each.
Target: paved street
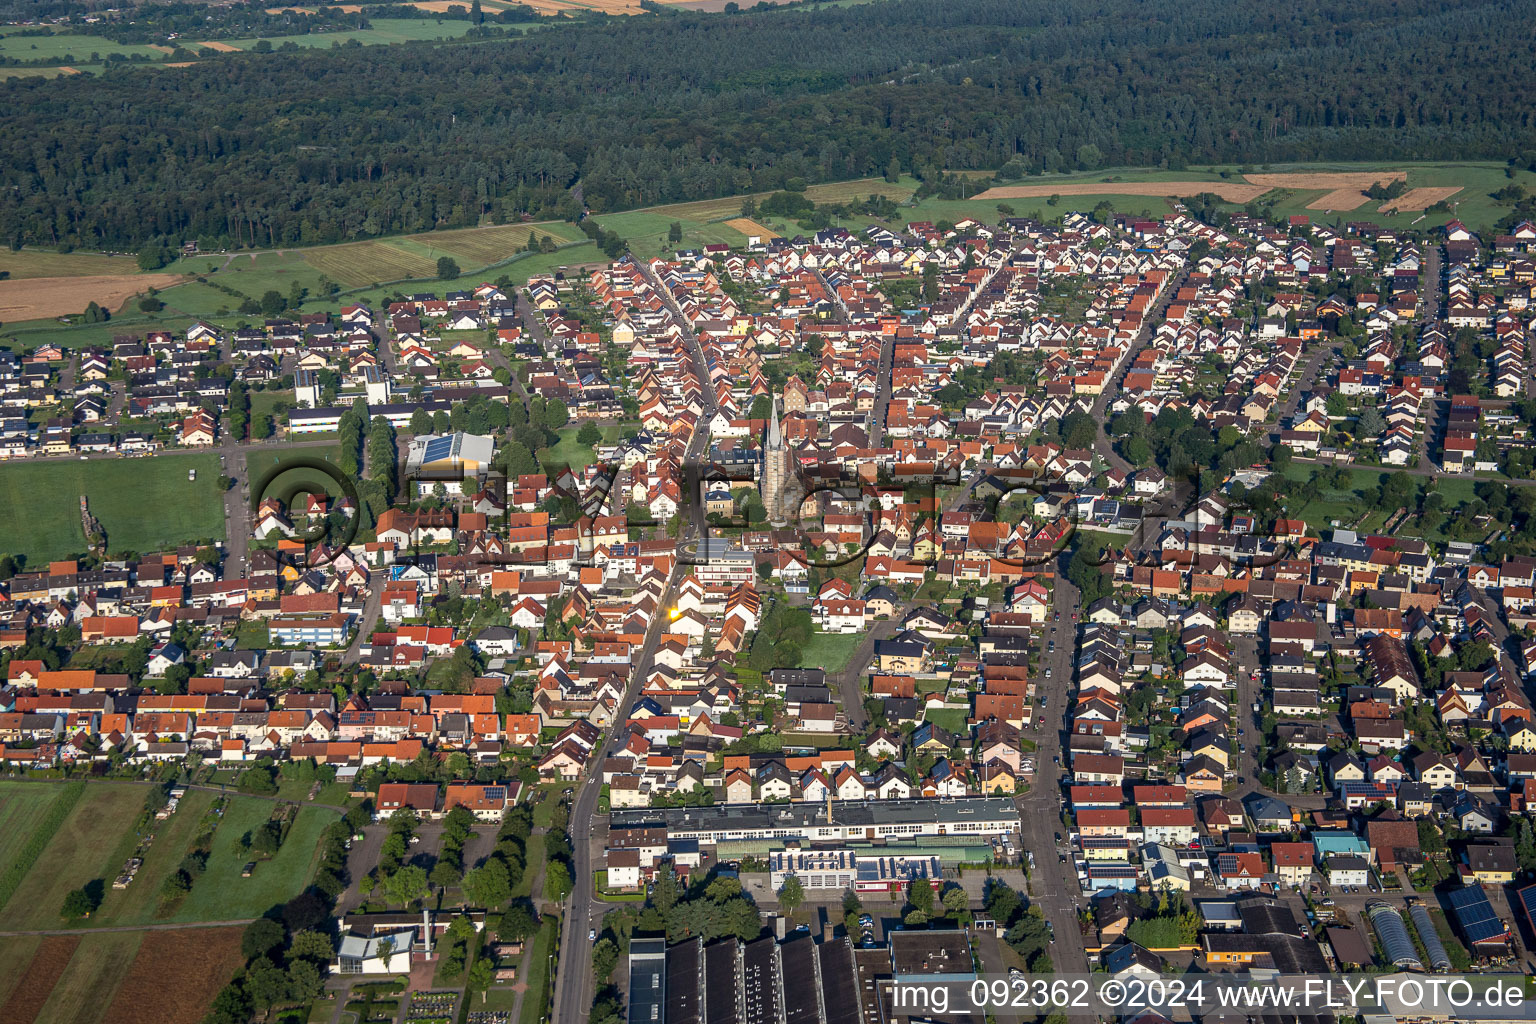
(575, 987)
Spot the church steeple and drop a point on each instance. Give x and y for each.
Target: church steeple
(775, 437)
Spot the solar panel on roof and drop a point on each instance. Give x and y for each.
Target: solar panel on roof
(438, 448)
(1475, 915)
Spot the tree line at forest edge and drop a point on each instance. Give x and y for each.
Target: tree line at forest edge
(324, 146)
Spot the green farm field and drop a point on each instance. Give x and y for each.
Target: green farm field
(87, 54)
(66, 47)
(481, 247)
(383, 31)
(25, 263)
(832, 192)
(362, 263)
(23, 809)
(145, 504)
(74, 856)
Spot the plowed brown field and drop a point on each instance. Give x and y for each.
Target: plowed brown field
(32, 990)
(175, 976)
(39, 297)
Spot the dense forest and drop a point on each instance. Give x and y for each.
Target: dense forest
(328, 145)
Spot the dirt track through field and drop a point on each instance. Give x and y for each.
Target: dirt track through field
(1232, 193)
(1339, 199)
(37, 982)
(1416, 200)
(1326, 179)
(38, 297)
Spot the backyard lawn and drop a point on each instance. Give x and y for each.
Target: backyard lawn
(144, 504)
(830, 651)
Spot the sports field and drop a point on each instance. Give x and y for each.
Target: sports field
(144, 504)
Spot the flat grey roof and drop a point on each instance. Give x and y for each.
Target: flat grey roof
(725, 817)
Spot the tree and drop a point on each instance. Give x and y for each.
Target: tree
(78, 904)
(557, 881)
(920, 895)
(421, 422)
(483, 973)
(556, 415)
(675, 232)
(488, 885)
(518, 923)
(304, 981)
(1370, 424)
(956, 901)
(267, 983)
(447, 268)
(311, 945)
(589, 435)
(791, 894)
(408, 883)
(261, 937)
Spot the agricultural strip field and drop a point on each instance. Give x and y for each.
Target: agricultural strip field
(479, 247)
(1339, 199)
(201, 961)
(29, 815)
(15, 955)
(39, 297)
(1416, 199)
(65, 47)
(1360, 180)
(42, 973)
(25, 263)
(749, 227)
(72, 856)
(220, 894)
(95, 971)
(832, 192)
(144, 504)
(364, 263)
(1232, 193)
